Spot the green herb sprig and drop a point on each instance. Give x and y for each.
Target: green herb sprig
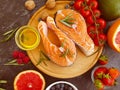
(3, 82)
(43, 57)
(13, 62)
(68, 20)
(66, 52)
(8, 35)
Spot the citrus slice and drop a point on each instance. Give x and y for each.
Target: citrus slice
(113, 36)
(29, 80)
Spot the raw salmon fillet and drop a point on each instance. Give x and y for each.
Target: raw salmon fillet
(65, 53)
(74, 26)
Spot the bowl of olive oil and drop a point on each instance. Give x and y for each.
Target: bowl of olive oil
(27, 37)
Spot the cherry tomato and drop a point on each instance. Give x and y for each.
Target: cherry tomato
(90, 20)
(100, 39)
(93, 4)
(101, 23)
(91, 31)
(96, 13)
(78, 4)
(85, 12)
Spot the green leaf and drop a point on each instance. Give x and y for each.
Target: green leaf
(68, 21)
(8, 35)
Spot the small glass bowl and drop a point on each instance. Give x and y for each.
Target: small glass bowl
(92, 74)
(61, 85)
(27, 32)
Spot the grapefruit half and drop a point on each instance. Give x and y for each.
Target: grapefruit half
(29, 80)
(113, 36)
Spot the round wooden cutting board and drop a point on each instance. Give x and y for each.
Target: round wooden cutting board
(82, 63)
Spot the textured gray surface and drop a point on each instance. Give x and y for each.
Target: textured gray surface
(12, 15)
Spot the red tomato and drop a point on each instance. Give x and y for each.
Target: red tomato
(93, 4)
(85, 12)
(97, 13)
(100, 40)
(91, 31)
(99, 72)
(101, 23)
(90, 20)
(78, 4)
(107, 80)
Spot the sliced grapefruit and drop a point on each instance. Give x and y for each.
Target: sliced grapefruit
(29, 80)
(113, 36)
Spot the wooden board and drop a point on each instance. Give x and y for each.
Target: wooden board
(80, 66)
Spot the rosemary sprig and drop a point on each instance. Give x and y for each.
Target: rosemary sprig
(3, 82)
(9, 34)
(2, 89)
(13, 62)
(68, 21)
(65, 53)
(43, 57)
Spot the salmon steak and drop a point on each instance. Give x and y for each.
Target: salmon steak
(63, 54)
(74, 26)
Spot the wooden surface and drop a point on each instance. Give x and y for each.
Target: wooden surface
(12, 15)
(82, 62)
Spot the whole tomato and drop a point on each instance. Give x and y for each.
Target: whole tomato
(91, 30)
(90, 20)
(100, 39)
(93, 4)
(78, 4)
(85, 12)
(96, 13)
(101, 23)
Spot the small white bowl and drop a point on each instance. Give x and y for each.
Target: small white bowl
(92, 74)
(61, 82)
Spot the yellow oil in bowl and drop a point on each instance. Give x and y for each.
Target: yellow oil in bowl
(27, 38)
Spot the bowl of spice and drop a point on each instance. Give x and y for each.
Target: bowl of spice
(27, 37)
(61, 85)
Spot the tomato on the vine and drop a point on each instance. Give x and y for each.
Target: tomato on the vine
(96, 13)
(91, 31)
(78, 4)
(93, 4)
(90, 20)
(100, 39)
(85, 12)
(101, 23)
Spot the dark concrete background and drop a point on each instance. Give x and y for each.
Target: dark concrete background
(14, 14)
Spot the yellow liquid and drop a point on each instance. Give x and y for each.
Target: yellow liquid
(28, 38)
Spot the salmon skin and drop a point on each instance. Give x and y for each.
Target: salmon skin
(74, 26)
(63, 55)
